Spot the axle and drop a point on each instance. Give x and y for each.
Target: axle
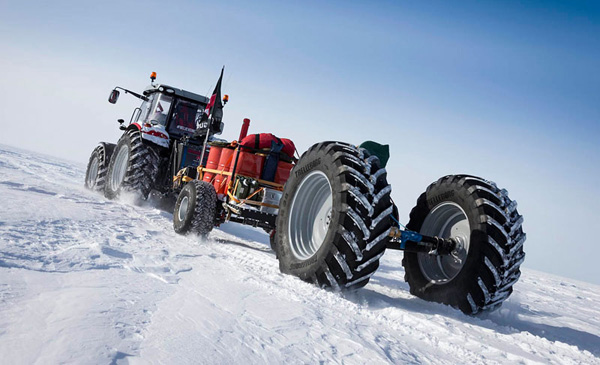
(415, 242)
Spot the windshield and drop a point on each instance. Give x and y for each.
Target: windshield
(159, 110)
(145, 109)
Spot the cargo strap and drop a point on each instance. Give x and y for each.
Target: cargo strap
(270, 168)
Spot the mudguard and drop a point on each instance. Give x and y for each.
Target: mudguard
(156, 134)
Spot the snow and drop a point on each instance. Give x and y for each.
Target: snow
(87, 280)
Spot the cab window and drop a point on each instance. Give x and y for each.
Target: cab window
(184, 117)
(145, 109)
(159, 111)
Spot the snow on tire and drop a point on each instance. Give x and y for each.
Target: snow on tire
(195, 209)
(334, 217)
(485, 221)
(95, 174)
(133, 166)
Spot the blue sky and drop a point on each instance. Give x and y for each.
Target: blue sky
(505, 90)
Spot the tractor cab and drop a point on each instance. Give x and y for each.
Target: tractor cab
(175, 119)
(169, 114)
(178, 111)
(174, 124)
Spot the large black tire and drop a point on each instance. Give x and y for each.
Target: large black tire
(492, 236)
(334, 234)
(133, 166)
(195, 209)
(95, 174)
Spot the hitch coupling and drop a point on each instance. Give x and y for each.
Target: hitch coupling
(410, 241)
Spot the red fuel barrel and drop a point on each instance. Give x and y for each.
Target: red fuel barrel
(283, 172)
(249, 164)
(213, 162)
(225, 164)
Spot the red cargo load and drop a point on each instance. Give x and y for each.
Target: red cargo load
(212, 163)
(283, 172)
(263, 140)
(225, 165)
(249, 164)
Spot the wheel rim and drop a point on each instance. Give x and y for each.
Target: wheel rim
(446, 220)
(183, 207)
(310, 215)
(119, 168)
(92, 172)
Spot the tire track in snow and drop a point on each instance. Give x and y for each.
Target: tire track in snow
(260, 314)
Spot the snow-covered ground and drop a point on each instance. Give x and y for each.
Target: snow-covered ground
(86, 280)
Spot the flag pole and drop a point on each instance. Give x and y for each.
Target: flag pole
(209, 121)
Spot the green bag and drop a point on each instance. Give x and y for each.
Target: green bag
(380, 150)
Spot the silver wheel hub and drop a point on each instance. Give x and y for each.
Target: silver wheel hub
(446, 220)
(120, 168)
(310, 215)
(93, 172)
(183, 208)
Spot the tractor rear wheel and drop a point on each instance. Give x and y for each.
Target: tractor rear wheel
(480, 274)
(195, 209)
(133, 166)
(334, 217)
(95, 174)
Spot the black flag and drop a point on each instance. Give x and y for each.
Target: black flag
(215, 105)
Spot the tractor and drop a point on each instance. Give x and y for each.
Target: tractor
(165, 134)
(329, 212)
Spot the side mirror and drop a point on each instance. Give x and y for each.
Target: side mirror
(114, 96)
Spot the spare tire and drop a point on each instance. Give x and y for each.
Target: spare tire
(481, 274)
(334, 217)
